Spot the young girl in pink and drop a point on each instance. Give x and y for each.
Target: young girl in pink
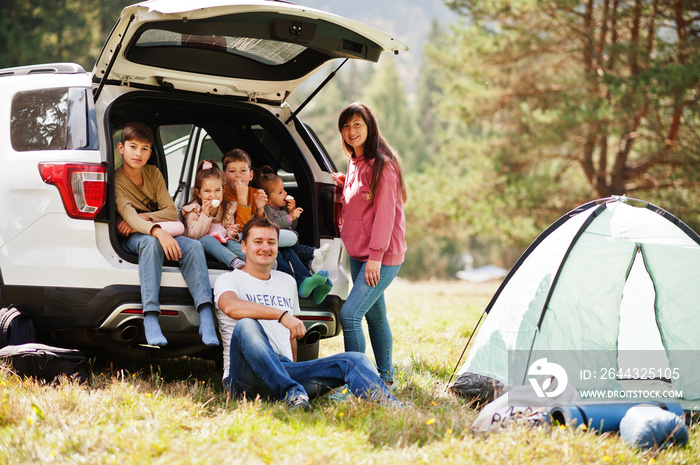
(211, 219)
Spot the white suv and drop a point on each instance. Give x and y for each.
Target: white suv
(206, 79)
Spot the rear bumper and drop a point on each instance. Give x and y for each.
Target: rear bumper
(112, 317)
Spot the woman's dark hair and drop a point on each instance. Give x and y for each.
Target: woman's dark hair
(375, 148)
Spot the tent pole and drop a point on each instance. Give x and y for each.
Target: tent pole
(465, 349)
(529, 354)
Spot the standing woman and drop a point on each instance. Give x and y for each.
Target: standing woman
(373, 231)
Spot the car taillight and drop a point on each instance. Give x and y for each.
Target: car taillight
(338, 208)
(83, 186)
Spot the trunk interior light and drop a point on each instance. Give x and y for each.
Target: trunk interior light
(83, 186)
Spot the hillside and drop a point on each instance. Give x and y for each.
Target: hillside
(408, 22)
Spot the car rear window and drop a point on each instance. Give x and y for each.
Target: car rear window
(53, 119)
(261, 46)
(269, 52)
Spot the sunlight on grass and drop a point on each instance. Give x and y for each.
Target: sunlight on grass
(176, 411)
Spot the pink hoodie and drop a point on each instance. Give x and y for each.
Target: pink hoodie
(373, 230)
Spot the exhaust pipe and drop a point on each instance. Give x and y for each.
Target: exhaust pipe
(126, 333)
(314, 334)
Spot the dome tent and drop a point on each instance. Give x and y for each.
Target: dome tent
(610, 276)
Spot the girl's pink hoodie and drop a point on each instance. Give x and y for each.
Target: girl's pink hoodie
(373, 230)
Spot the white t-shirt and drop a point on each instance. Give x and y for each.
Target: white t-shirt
(280, 291)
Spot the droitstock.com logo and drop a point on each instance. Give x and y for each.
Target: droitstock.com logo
(552, 376)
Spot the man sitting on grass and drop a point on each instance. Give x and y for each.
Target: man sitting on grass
(256, 307)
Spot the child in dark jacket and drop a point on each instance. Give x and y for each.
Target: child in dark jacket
(281, 209)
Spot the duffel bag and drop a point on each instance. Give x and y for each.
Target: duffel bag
(15, 327)
(46, 362)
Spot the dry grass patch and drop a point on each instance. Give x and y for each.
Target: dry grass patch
(176, 411)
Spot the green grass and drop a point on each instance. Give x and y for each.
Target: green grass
(177, 411)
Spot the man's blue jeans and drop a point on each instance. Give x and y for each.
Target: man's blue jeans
(255, 369)
(366, 301)
(151, 256)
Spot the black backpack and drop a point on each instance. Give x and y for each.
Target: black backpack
(45, 362)
(15, 327)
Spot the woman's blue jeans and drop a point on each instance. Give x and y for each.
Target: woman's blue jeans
(255, 369)
(368, 302)
(151, 256)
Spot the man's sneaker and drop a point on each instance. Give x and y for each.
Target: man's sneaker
(399, 404)
(340, 394)
(299, 402)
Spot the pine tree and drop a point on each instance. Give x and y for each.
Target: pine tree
(45, 31)
(579, 99)
(386, 95)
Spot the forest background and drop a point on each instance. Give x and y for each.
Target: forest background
(507, 114)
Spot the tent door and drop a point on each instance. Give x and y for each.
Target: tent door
(639, 341)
